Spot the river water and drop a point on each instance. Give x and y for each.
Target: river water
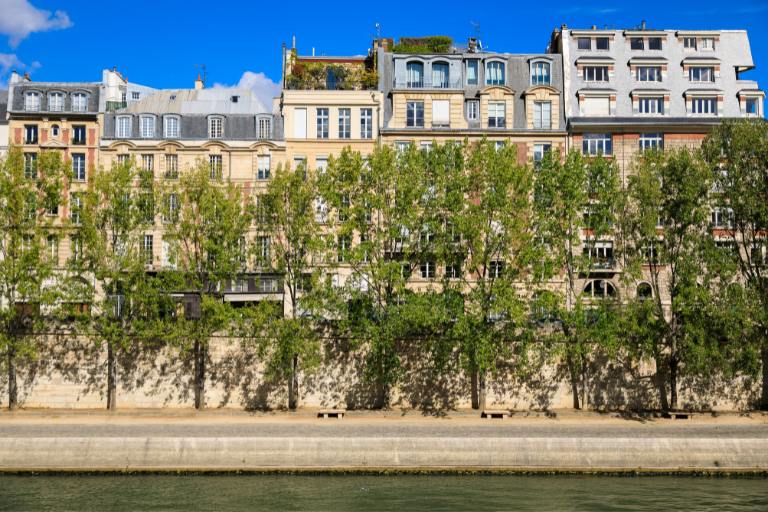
(373, 493)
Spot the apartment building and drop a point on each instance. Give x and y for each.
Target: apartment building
(628, 90)
(3, 122)
(452, 94)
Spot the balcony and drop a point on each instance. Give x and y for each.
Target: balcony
(427, 83)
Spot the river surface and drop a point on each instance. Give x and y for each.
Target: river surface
(373, 493)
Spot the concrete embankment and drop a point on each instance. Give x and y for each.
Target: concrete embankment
(102, 442)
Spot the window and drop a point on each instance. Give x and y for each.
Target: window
(215, 127)
(148, 164)
(427, 269)
(599, 254)
(539, 150)
(321, 162)
(32, 101)
(345, 123)
(649, 74)
(402, 145)
(171, 213)
(56, 102)
(602, 43)
(751, 106)
(30, 166)
(78, 134)
(636, 43)
(415, 114)
(707, 43)
(265, 128)
(78, 166)
(123, 159)
(704, 106)
(123, 127)
(216, 165)
(473, 110)
(495, 73)
(135, 95)
(75, 206)
(263, 164)
(453, 269)
(76, 248)
(595, 105)
(542, 115)
(234, 99)
(79, 102)
(600, 289)
(721, 218)
(651, 141)
(689, 43)
(321, 210)
(651, 105)
(595, 73)
(496, 269)
(584, 43)
(343, 247)
(644, 291)
(146, 249)
(322, 123)
(441, 113)
(654, 43)
(497, 114)
(540, 73)
(366, 123)
(171, 167)
(701, 74)
(262, 250)
(300, 123)
(30, 134)
(55, 130)
(440, 75)
(171, 127)
(414, 74)
(594, 144)
(472, 72)
(52, 249)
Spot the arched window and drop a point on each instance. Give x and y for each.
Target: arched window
(414, 74)
(440, 75)
(56, 102)
(32, 101)
(540, 73)
(79, 102)
(55, 130)
(495, 73)
(600, 289)
(644, 291)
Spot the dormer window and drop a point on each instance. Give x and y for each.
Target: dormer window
(264, 128)
(147, 127)
(495, 73)
(540, 73)
(79, 102)
(235, 99)
(123, 127)
(56, 102)
(171, 127)
(32, 102)
(440, 75)
(414, 74)
(215, 127)
(135, 95)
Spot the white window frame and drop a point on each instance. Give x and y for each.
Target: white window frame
(264, 127)
(345, 123)
(263, 167)
(542, 117)
(704, 106)
(539, 150)
(79, 102)
(690, 43)
(216, 164)
(473, 110)
(366, 123)
(650, 105)
(412, 111)
(494, 109)
(651, 141)
(700, 71)
(169, 130)
(541, 72)
(216, 127)
(648, 74)
(56, 101)
(441, 113)
(706, 43)
(147, 126)
(123, 131)
(596, 73)
(322, 116)
(473, 63)
(594, 144)
(499, 66)
(30, 104)
(78, 166)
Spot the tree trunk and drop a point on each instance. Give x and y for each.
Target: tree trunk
(661, 384)
(293, 385)
(12, 389)
(200, 353)
(111, 378)
(764, 395)
(574, 378)
(481, 390)
(473, 377)
(584, 384)
(673, 385)
(382, 394)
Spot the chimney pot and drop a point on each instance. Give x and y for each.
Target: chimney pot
(594, 27)
(199, 83)
(642, 25)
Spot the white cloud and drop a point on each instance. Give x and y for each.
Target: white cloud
(262, 86)
(8, 62)
(20, 18)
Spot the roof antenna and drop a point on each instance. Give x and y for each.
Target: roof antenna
(378, 30)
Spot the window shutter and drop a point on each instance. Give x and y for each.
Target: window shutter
(441, 112)
(300, 123)
(600, 106)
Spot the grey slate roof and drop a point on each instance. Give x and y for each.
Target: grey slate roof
(3, 106)
(91, 88)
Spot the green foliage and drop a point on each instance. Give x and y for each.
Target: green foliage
(427, 44)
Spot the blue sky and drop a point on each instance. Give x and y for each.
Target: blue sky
(159, 43)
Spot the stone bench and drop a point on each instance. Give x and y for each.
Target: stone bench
(497, 414)
(331, 413)
(677, 415)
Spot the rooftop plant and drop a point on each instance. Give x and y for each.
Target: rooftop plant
(427, 44)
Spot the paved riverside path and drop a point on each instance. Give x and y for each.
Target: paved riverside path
(221, 441)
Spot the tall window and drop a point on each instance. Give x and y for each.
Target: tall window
(597, 143)
(651, 141)
(171, 167)
(701, 74)
(148, 164)
(265, 128)
(440, 75)
(595, 73)
(30, 134)
(496, 269)
(171, 213)
(414, 115)
(78, 166)
(497, 113)
(75, 207)
(751, 106)
(76, 248)
(704, 106)
(147, 127)
(216, 165)
(52, 249)
(215, 127)
(262, 250)
(56, 102)
(343, 245)
(345, 123)
(123, 127)
(32, 101)
(30, 166)
(322, 123)
(366, 123)
(427, 269)
(263, 164)
(495, 73)
(473, 110)
(414, 74)
(147, 249)
(651, 105)
(539, 150)
(472, 71)
(78, 134)
(540, 73)
(171, 127)
(649, 74)
(79, 102)
(542, 115)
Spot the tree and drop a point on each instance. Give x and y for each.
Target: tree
(116, 231)
(30, 190)
(206, 233)
(575, 204)
(737, 154)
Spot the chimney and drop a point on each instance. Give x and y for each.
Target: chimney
(563, 27)
(15, 78)
(26, 77)
(642, 25)
(594, 27)
(472, 45)
(199, 83)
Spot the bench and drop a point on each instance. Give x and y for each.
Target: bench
(491, 414)
(331, 413)
(677, 415)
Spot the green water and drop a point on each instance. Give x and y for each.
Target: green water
(372, 493)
